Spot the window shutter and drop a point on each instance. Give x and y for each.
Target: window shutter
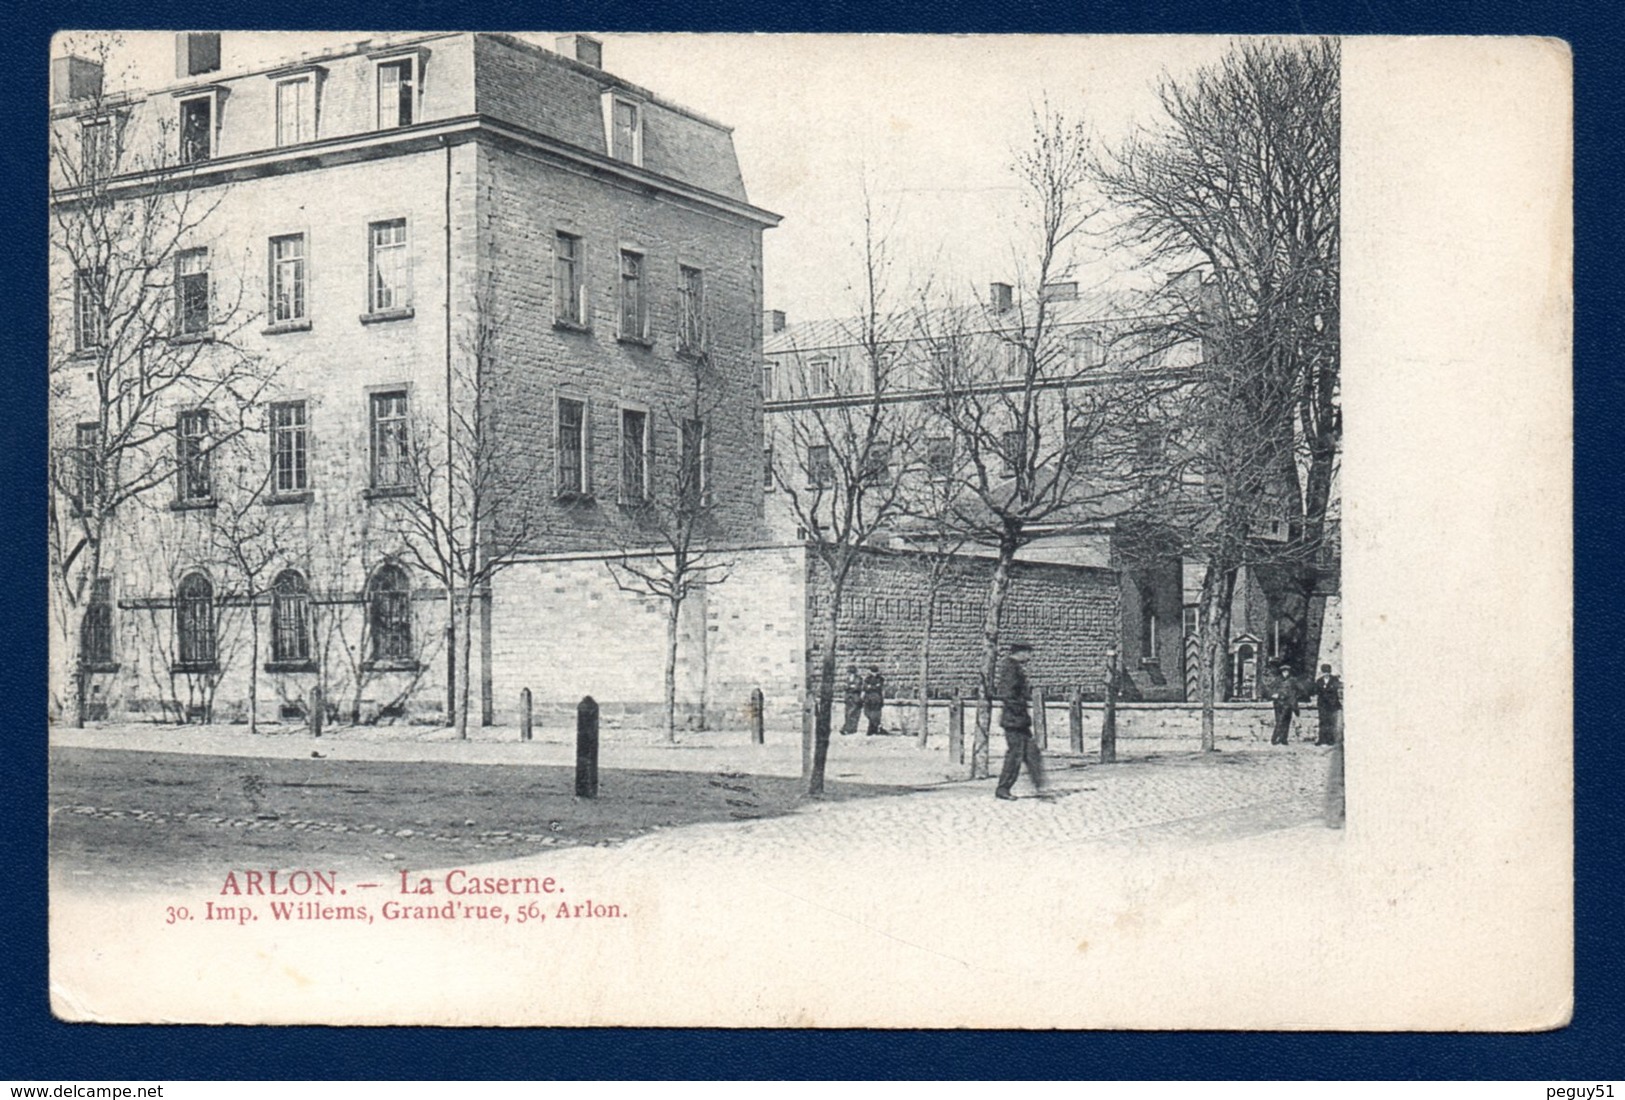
(705, 464)
(619, 421)
(558, 463)
(586, 447)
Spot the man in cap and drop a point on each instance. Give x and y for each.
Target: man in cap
(853, 699)
(1284, 695)
(1329, 704)
(1012, 689)
(874, 698)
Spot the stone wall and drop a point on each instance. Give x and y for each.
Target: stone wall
(1068, 613)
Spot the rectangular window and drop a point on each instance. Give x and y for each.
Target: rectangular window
(626, 141)
(88, 327)
(96, 149)
(822, 378)
(390, 460)
(192, 456)
(288, 278)
(571, 458)
(767, 467)
(1148, 620)
(634, 455)
(1014, 452)
(192, 291)
(295, 111)
(396, 93)
(389, 271)
(691, 309)
(695, 474)
(876, 465)
(820, 468)
(197, 129)
(568, 304)
(1087, 350)
(768, 371)
(87, 466)
(290, 467)
(634, 325)
(1192, 619)
(1077, 447)
(939, 456)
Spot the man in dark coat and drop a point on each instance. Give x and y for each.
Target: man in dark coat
(1013, 691)
(1329, 704)
(874, 698)
(853, 699)
(1285, 696)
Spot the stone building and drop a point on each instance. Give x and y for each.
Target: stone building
(381, 245)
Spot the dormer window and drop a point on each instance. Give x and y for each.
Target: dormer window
(397, 92)
(197, 128)
(623, 119)
(297, 90)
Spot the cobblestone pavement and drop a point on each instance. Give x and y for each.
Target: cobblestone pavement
(1185, 797)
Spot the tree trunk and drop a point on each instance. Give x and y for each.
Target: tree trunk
(826, 695)
(465, 683)
(1208, 648)
(997, 591)
(451, 654)
(674, 609)
(932, 581)
(253, 665)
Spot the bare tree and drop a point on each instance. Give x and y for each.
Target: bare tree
(147, 377)
(251, 542)
(466, 512)
(843, 473)
(1242, 177)
(673, 506)
(1035, 419)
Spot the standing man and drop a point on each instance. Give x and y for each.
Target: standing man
(1285, 696)
(1329, 704)
(853, 697)
(1013, 691)
(874, 698)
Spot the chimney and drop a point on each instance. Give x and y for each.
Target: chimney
(773, 320)
(196, 52)
(1059, 292)
(582, 47)
(1000, 297)
(75, 78)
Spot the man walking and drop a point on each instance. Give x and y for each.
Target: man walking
(1285, 696)
(874, 698)
(1013, 691)
(1329, 704)
(853, 698)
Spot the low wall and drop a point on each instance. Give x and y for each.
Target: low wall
(1176, 725)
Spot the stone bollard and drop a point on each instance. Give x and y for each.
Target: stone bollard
(587, 748)
(1040, 720)
(1074, 719)
(1108, 718)
(524, 715)
(1334, 788)
(318, 710)
(757, 718)
(956, 730)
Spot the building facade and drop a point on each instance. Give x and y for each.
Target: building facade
(381, 283)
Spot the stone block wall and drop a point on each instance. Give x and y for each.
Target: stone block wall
(1068, 613)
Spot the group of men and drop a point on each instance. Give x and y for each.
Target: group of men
(1328, 695)
(865, 695)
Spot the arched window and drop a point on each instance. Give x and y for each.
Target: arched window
(194, 620)
(290, 618)
(96, 630)
(389, 610)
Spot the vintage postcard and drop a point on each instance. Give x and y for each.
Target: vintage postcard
(761, 531)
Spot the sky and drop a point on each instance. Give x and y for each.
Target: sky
(931, 122)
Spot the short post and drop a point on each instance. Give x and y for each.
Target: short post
(587, 748)
(1108, 722)
(956, 730)
(318, 710)
(524, 715)
(757, 720)
(1074, 719)
(1040, 719)
(1334, 788)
